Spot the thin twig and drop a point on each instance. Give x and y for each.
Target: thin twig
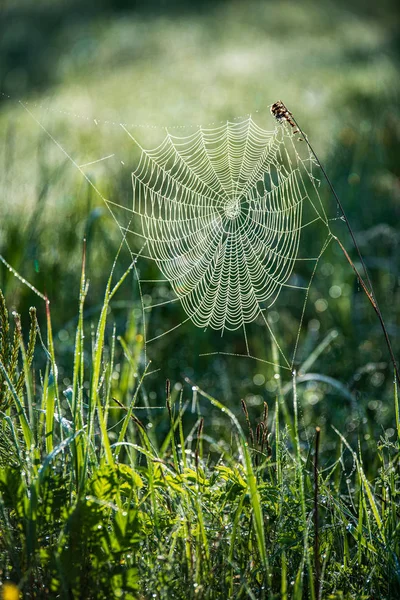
(349, 227)
(368, 289)
(375, 306)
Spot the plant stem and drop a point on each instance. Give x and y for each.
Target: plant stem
(374, 306)
(368, 289)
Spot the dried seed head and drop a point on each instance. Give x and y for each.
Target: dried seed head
(281, 113)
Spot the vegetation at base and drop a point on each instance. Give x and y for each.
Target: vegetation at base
(94, 504)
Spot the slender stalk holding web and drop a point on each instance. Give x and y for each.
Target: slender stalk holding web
(280, 112)
(375, 306)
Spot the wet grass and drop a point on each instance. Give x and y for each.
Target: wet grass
(97, 502)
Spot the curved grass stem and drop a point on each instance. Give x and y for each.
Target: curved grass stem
(366, 283)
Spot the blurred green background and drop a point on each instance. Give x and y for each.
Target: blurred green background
(80, 67)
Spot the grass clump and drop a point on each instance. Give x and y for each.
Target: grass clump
(98, 506)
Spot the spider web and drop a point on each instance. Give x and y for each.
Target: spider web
(222, 212)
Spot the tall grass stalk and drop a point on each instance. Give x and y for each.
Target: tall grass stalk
(366, 283)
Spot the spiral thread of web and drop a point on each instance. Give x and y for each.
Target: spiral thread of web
(221, 213)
